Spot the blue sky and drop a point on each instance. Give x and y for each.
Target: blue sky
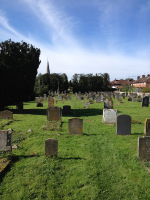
(85, 36)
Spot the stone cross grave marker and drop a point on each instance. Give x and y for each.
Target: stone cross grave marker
(6, 114)
(145, 102)
(109, 116)
(5, 141)
(66, 109)
(144, 148)
(54, 113)
(39, 102)
(50, 101)
(147, 127)
(51, 147)
(75, 126)
(123, 126)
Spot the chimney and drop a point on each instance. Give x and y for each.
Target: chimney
(138, 77)
(148, 75)
(143, 76)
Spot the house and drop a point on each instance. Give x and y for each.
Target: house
(119, 83)
(142, 82)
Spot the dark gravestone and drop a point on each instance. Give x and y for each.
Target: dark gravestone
(39, 102)
(19, 105)
(51, 147)
(123, 126)
(6, 114)
(144, 148)
(5, 141)
(50, 101)
(147, 127)
(145, 102)
(108, 104)
(129, 99)
(66, 109)
(75, 126)
(54, 113)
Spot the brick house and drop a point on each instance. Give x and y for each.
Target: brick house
(119, 83)
(142, 82)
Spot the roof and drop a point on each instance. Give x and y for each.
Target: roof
(120, 82)
(143, 80)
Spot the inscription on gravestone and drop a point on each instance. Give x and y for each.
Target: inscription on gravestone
(123, 126)
(5, 141)
(147, 127)
(51, 147)
(50, 101)
(75, 126)
(144, 148)
(6, 114)
(54, 113)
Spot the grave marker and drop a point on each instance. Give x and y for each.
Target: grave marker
(75, 126)
(50, 101)
(5, 140)
(54, 113)
(147, 127)
(144, 148)
(145, 102)
(51, 147)
(109, 116)
(123, 126)
(6, 114)
(39, 102)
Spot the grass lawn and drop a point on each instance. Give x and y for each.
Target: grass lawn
(96, 165)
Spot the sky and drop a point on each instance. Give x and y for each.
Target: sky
(98, 36)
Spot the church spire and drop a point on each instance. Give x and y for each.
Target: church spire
(47, 69)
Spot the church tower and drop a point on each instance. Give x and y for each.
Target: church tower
(47, 69)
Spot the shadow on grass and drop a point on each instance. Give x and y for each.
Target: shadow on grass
(74, 158)
(141, 134)
(29, 111)
(84, 112)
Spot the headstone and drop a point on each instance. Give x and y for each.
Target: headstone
(109, 116)
(5, 140)
(144, 148)
(123, 126)
(129, 99)
(6, 114)
(45, 96)
(60, 97)
(50, 101)
(139, 99)
(91, 102)
(98, 99)
(147, 127)
(54, 113)
(19, 105)
(145, 102)
(108, 104)
(75, 126)
(51, 147)
(66, 109)
(134, 99)
(87, 105)
(39, 102)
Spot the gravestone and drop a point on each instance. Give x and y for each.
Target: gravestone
(145, 102)
(60, 98)
(123, 126)
(39, 102)
(98, 99)
(91, 102)
(66, 109)
(50, 101)
(108, 104)
(147, 127)
(54, 113)
(144, 148)
(134, 99)
(87, 105)
(6, 114)
(139, 99)
(45, 96)
(51, 147)
(75, 126)
(129, 99)
(5, 140)
(19, 105)
(109, 116)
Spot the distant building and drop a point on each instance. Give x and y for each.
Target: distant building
(119, 83)
(142, 82)
(47, 68)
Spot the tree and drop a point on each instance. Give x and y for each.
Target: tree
(106, 80)
(18, 68)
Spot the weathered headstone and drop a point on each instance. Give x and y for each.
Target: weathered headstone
(145, 102)
(75, 126)
(19, 105)
(123, 126)
(6, 114)
(54, 113)
(144, 148)
(60, 97)
(108, 104)
(5, 140)
(45, 96)
(51, 147)
(50, 101)
(98, 99)
(87, 105)
(134, 99)
(129, 99)
(66, 109)
(147, 127)
(39, 102)
(109, 116)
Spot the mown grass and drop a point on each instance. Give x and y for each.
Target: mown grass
(96, 165)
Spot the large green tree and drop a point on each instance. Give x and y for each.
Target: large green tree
(18, 68)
